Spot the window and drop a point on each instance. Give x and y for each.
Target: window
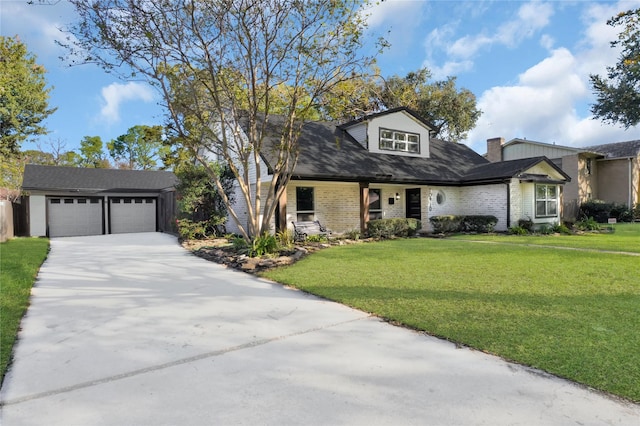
(138, 200)
(546, 200)
(82, 201)
(68, 200)
(304, 204)
(588, 166)
(392, 140)
(94, 201)
(55, 201)
(375, 204)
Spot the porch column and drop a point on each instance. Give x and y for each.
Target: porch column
(282, 212)
(364, 207)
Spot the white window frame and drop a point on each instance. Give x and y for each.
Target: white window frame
(394, 140)
(547, 200)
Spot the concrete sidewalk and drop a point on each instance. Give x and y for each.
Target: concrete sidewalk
(133, 330)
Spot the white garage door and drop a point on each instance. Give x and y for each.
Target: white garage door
(132, 214)
(69, 217)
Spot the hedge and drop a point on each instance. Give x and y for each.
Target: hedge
(601, 211)
(446, 224)
(397, 227)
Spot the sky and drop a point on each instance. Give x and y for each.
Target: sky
(527, 62)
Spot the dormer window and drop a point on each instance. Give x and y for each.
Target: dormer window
(393, 140)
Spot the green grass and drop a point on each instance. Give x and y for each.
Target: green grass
(626, 237)
(20, 260)
(572, 313)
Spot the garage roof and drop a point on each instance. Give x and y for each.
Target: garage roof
(45, 178)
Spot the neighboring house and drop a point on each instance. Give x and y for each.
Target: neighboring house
(608, 172)
(388, 165)
(73, 201)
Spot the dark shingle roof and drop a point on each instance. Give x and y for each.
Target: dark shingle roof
(329, 153)
(618, 149)
(507, 169)
(75, 178)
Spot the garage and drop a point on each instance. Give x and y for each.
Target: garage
(70, 216)
(75, 201)
(132, 214)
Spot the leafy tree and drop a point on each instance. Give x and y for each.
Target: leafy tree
(618, 95)
(453, 112)
(23, 96)
(140, 148)
(199, 203)
(92, 154)
(60, 156)
(219, 64)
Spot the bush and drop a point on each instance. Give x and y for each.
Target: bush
(473, 223)
(264, 244)
(397, 227)
(636, 212)
(527, 224)
(479, 223)
(285, 238)
(190, 230)
(354, 234)
(446, 224)
(518, 230)
(601, 211)
(545, 229)
(561, 228)
(589, 224)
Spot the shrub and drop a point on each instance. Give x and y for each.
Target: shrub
(561, 228)
(190, 230)
(446, 224)
(527, 224)
(636, 212)
(545, 229)
(316, 238)
(473, 223)
(518, 230)
(264, 244)
(396, 227)
(601, 211)
(479, 223)
(354, 234)
(285, 238)
(589, 224)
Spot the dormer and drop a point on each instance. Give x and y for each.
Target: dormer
(397, 131)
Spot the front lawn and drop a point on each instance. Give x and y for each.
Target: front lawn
(20, 260)
(572, 313)
(626, 237)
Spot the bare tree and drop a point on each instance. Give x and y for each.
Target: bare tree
(221, 67)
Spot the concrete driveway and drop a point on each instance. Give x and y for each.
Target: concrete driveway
(133, 330)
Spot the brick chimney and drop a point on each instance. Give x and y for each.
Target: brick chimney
(494, 149)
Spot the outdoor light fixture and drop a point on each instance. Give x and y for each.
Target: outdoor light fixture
(397, 196)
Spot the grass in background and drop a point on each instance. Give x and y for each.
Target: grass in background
(572, 313)
(20, 260)
(626, 237)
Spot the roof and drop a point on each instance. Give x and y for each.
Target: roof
(508, 169)
(517, 141)
(327, 152)
(617, 150)
(409, 111)
(44, 178)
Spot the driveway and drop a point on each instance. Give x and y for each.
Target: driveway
(133, 330)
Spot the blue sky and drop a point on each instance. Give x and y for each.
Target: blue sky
(528, 64)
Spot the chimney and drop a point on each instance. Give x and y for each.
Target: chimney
(494, 149)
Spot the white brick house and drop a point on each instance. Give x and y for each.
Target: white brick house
(388, 165)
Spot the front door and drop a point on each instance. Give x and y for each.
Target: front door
(413, 209)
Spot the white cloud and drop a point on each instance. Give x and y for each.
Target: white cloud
(530, 18)
(115, 94)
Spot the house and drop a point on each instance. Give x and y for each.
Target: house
(608, 172)
(73, 201)
(389, 165)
